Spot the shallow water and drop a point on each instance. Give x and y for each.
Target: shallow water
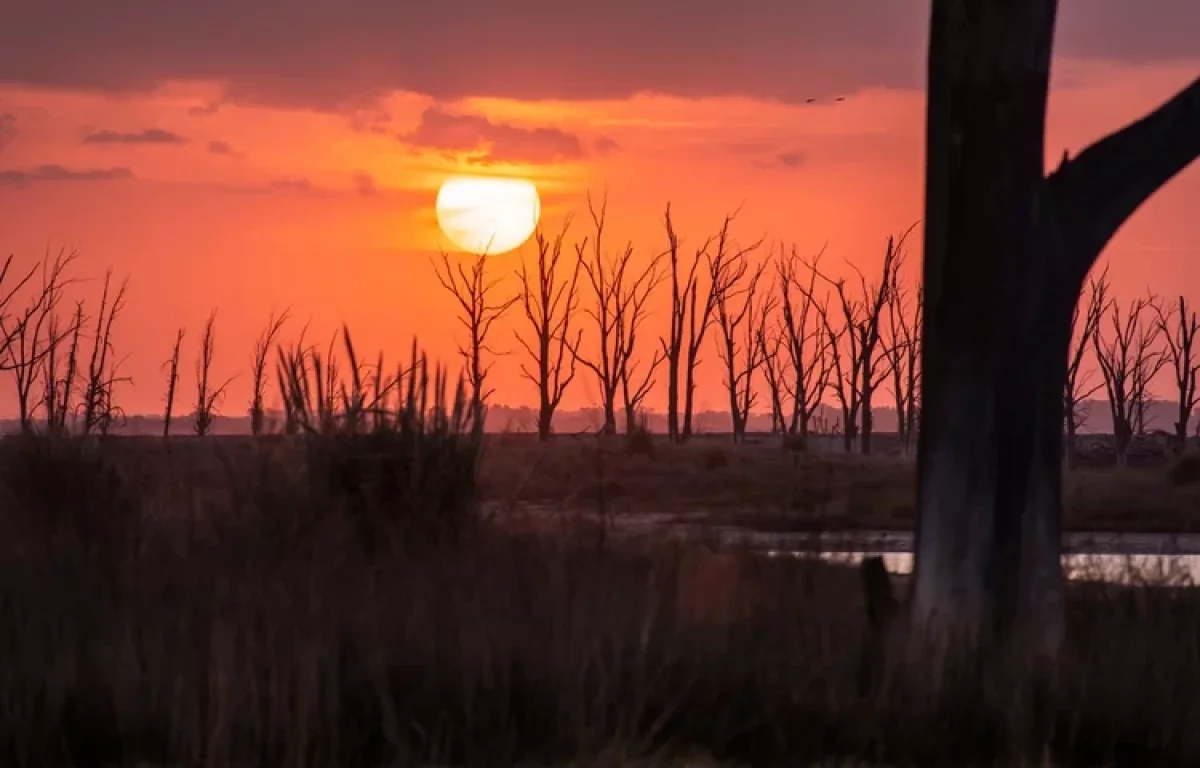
(1157, 558)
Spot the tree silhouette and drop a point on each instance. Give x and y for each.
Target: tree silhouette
(1007, 251)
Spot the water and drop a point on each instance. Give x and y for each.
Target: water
(1155, 558)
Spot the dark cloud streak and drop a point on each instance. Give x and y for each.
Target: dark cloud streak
(491, 142)
(145, 136)
(52, 172)
(790, 50)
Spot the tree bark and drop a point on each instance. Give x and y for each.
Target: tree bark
(1006, 253)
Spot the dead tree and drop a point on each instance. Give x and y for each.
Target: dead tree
(742, 310)
(550, 302)
(172, 366)
(805, 338)
(1128, 361)
(635, 380)
(1007, 252)
(770, 340)
(208, 393)
(865, 324)
(691, 316)
(617, 309)
(258, 368)
(27, 336)
(59, 382)
(902, 347)
(479, 309)
(99, 408)
(1078, 386)
(1178, 327)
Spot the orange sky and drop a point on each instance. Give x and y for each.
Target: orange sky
(208, 199)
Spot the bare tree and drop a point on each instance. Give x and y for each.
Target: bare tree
(617, 309)
(479, 309)
(262, 347)
(208, 394)
(902, 347)
(1078, 386)
(99, 407)
(741, 313)
(549, 304)
(59, 386)
(691, 317)
(1178, 327)
(1007, 252)
(1128, 361)
(805, 338)
(172, 366)
(636, 381)
(872, 361)
(27, 336)
(770, 340)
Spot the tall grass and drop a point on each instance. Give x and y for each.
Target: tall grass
(340, 602)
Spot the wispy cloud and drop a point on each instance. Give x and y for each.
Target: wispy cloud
(145, 136)
(48, 173)
(364, 184)
(218, 147)
(487, 142)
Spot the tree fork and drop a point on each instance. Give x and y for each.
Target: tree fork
(1006, 255)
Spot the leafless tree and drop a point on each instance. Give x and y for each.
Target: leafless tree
(805, 338)
(742, 310)
(208, 394)
(172, 366)
(618, 293)
(872, 361)
(770, 340)
(58, 376)
(479, 309)
(1178, 327)
(262, 347)
(691, 317)
(902, 347)
(1128, 361)
(550, 302)
(1008, 248)
(1078, 386)
(26, 334)
(858, 367)
(99, 408)
(636, 380)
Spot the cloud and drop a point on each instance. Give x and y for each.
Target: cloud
(144, 136)
(491, 142)
(604, 145)
(59, 173)
(203, 110)
(218, 147)
(298, 184)
(8, 129)
(790, 159)
(364, 184)
(789, 50)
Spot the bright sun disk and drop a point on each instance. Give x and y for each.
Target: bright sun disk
(491, 215)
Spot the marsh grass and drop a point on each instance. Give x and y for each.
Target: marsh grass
(343, 604)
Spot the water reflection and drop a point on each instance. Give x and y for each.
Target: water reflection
(1157, 569)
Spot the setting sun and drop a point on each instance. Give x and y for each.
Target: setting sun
(488, 215)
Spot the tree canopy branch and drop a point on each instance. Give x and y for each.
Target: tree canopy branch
(1098, 190)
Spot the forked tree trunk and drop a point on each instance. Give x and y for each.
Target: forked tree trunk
(1006, 254)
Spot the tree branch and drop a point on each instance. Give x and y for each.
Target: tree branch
(1102, 187)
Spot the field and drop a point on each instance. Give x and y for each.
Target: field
(332, 600)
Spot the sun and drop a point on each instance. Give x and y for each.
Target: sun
(491, 215)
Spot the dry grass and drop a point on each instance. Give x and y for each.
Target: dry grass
(138, 627)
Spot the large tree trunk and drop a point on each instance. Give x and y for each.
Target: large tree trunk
(1006, 254)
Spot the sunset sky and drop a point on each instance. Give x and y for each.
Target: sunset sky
(252, 155)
